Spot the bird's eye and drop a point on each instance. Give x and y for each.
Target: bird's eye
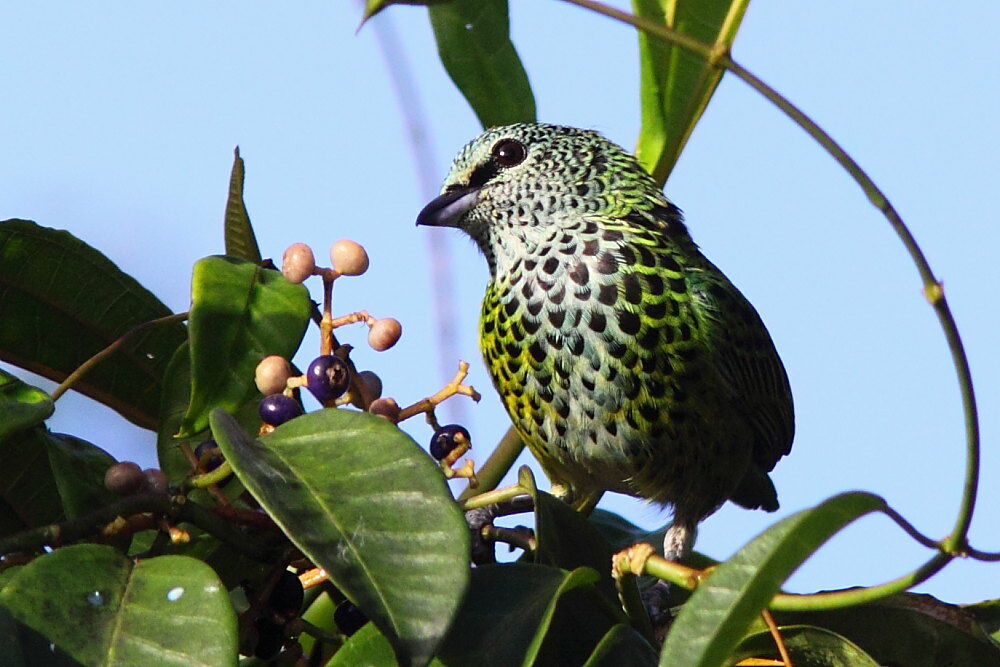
(509, 152)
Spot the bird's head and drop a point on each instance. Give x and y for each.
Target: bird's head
(515, 185)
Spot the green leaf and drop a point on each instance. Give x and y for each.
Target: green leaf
(987, 613)
(240, 313)
(473, 38)
(676, 84)
(78, 468)
(909, 629)
(103, 609)
(21, 405)
(367, 647)
(28, 493)
(622, 645)
(809, 646)
(507, 613)
(721, 609)
(21, 646)
(565, 538)
(47, 477)
(174, 401)
(241, 242)
(72, 302)
(365, 502)
(514, 614)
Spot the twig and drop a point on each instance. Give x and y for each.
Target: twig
(176, 508)
(779, 642)
(453, 387)
(89, 364)
(519, 537)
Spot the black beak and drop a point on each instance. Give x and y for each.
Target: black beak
(447, 209)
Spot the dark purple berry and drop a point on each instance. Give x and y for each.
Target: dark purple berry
(328, 377)
(208, 455)
(270, 638)
(444, 440)
(349, 618)
(287, 596)
(124, 478)
(276, 409)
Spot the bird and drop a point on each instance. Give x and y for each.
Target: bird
(627, 361)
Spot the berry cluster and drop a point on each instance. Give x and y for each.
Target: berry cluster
(128, 479)
(271, 622)
(331, 377)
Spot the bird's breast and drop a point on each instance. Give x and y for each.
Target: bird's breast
(588, 350)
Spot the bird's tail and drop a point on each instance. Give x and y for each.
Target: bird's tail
(756, 490)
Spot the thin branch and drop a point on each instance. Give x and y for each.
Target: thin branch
(778, 641)
(988, 556)
(719, 56)
(89, 364)
(177, 508)
(910, 530)
(499, 464)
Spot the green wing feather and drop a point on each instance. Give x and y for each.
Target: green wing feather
(746, 360)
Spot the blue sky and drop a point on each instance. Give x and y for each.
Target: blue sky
(119, 124)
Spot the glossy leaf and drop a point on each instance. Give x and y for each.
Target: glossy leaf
(21, 405)
(47, 477)
(29, 496)
(365, 502)
(676, 84)
(70, 303)
(176, 397)
(174, 401)
(367, 647)
(240, 313)
(622, 645)
(721, 609)
(987, 613)
(241, 242)
(566, 539)
(473, 38)
(21, 646)
(808, 646)
(506, 615)
(103, 609)
(909, 629)
(78, 468)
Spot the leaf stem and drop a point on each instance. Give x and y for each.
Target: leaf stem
(956, 541)
(89, 364)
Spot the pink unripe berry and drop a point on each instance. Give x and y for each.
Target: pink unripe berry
(372, 384)
(348, 258)
(298, 262)
(385, 407)
(272, 374)
(384, 334)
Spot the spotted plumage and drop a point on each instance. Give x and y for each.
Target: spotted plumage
(627, 361)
